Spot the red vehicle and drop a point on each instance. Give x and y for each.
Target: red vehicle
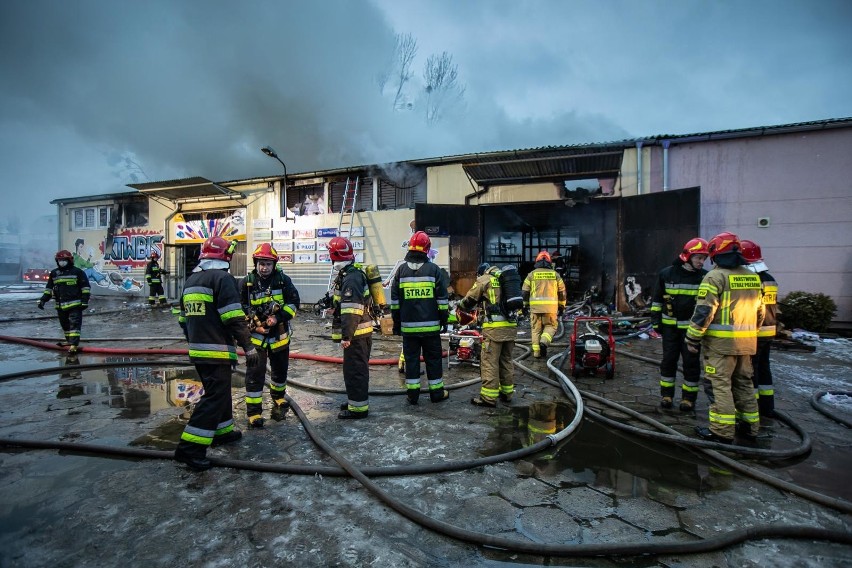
(36, 275)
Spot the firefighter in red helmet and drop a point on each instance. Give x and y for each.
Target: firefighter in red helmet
(672, 304)
(762, 379)
(545, 297)
(212, 320)
(68, 286)
(419, 304)
(270, 300)
(352, 327)
(728, 314)
(154, 277)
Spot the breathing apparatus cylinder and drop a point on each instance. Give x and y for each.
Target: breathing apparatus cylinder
(374, 281)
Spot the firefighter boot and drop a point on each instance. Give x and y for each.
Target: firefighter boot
(543, 347)
(193, 455)
(744, 432)
(536, 352)
(279, 409)
(687, 406)
(707, 434)
(666, 402)
(255, 421)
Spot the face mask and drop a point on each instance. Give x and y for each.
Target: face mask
(340, 265)
(62, 263)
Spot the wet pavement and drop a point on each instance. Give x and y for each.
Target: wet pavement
(600, 486)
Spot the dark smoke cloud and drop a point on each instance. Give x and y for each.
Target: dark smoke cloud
(95, 94)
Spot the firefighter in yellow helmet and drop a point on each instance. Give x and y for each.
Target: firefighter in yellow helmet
(545, 297)
(270, 301)
(728, 314)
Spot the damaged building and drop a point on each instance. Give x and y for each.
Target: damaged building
(615, 212)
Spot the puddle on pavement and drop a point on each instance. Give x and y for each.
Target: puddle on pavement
(136, 389)
(595, 453)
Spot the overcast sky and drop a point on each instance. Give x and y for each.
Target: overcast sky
(96, 94)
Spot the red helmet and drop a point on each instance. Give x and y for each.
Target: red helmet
(218, 248)
(340, 249)
(420, 242)
(154, 255)
(543, 255)
(693, 246)
(64, 255)
(722, 243)
(751, 251)
(265, 251)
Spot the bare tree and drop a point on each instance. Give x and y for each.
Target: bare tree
(398, 73)
(442, 87)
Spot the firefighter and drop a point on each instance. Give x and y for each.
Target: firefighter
(419, 304)
(212, 319)
(270, 301)
(499, 332)
(352, 327)
(69, 288)
(762, 380)
(672, 306)
(544, 297)
(153, 276)
(728, 314)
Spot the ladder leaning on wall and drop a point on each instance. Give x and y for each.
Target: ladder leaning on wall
(347, 215)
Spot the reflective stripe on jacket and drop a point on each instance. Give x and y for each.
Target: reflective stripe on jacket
(544, 290)
(729, 311)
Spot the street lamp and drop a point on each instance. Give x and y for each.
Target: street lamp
(271, 153)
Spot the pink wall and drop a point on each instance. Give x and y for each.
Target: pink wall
(801, 181)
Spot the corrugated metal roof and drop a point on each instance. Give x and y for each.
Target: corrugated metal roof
(546, 166)
(187, 188)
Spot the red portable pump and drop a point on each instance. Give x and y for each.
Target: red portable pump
(467, 341)
(591, 351)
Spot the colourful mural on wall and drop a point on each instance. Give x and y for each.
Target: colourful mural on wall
(232, 226)
(128, 251)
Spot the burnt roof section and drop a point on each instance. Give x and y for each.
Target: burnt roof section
(186, 189)
(548, 165)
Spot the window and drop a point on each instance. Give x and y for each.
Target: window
(364, 199)
(91, 217)
(306, 199)
(392, 196)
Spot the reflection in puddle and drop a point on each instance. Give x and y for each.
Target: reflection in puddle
(136, 389)
(627, 466)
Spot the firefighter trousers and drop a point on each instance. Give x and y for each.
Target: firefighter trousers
(733, 391)
(156, 292)
(356, 372)
(762, 380)
(71, 322)
(431, 347)
(674, 350)
(213, 415)
(279, 361)
(496, 370)
(542, 329)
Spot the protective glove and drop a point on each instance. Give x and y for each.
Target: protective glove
(252, 358)
(444, 328)
(397, 329)
(40, 305)
(560, 311)
(692, 346)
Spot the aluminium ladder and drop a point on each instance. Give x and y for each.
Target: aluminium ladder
(347, 215)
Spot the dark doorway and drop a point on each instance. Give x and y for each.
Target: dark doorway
(654, 227)
(461, 223)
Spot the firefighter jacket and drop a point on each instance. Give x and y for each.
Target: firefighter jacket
(69, 288)
(543, 290)
(352, 303)
(486, 291)
(274, 296)
(153, 273)
(212, 318)
(419, 299)
(674, 296)
(770, 304)
(728, 312)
